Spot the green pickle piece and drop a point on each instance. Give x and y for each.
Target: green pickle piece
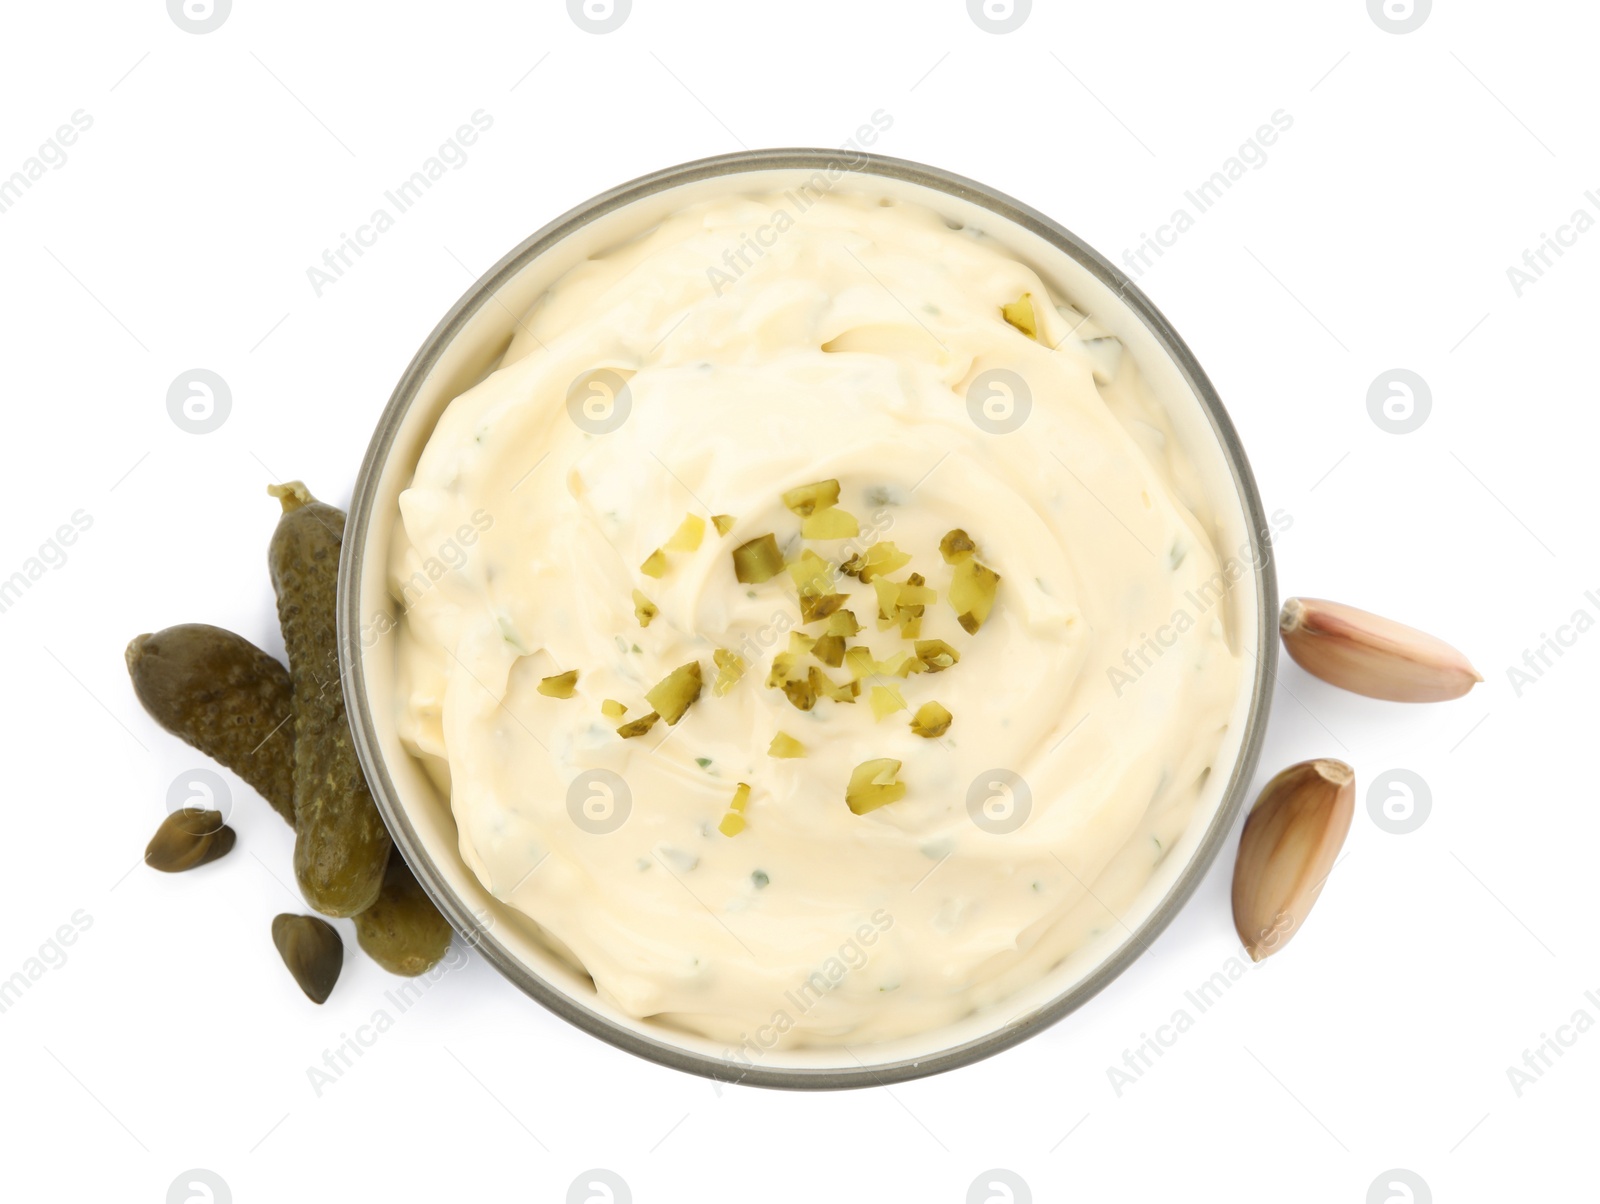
(341, 847)
(806, 500)
(219, 693)
(931, 721)
(873, 785)
(757, 560)
(1020, 314)
(676, 692)
(562, 685)
(638, 727)
(403, 931)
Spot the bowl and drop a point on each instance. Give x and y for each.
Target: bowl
(466, 346)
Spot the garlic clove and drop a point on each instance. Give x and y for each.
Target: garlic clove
(1368, 654)
(1288, 848)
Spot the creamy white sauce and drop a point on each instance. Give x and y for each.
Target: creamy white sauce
(839, 344)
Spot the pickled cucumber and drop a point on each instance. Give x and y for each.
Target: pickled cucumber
(341, 846)
(403, 931)
(219, 693)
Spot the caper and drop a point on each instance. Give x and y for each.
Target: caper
(187, 838)
(312, 950)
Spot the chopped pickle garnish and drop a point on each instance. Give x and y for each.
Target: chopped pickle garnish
(811, 573)
(655, 564)
(559, 686)
(639, 726)
(829, 650)
(819, 606)
(886, 700)
(673, 694)
(825, 687)
(730, 668)
(879, 560)
(723, 523)
(831, 523)
(757, 560)
(972, 592)
(842, 622)
(915, 591)
(956, 546)
(888, 598)
(860, 663)
(806, 499)
(643, 609)
(688, 535)
(872, 785)
(801, 694)
(786, 665)
(785, 746)
(930, 721)
(733, 822)
(612, 709)
(1020, 314)
(936, 655)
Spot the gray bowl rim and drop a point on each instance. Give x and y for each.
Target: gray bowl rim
(462, 917)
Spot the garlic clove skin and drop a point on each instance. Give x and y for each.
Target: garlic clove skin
(1290, 843)
(1371, 655)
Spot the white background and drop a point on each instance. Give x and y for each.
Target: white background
(1378, 233)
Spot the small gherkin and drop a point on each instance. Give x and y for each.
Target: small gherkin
(341, 846)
